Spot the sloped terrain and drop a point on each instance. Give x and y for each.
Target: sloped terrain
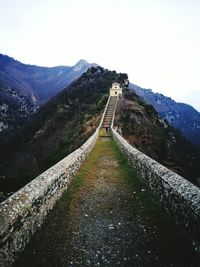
(42, 82)
(61, 126)
(139, 123)
(23, 88)
(16, 109)
(65, 122)
(179, 115)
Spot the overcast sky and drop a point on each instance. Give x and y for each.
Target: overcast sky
(156, 42)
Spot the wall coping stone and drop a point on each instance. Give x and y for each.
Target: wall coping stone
(180, 197)
(28, 207)
(24, 211)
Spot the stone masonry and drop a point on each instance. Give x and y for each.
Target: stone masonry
(180, 198)
(24, 212)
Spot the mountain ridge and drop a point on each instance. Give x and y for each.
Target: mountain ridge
(24, 88)
(58, 128)
(69, 118)
(28, 77)
(179, 115)
(140, 124)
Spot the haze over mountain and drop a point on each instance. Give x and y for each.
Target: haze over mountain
(23, 88)
(40, 82)
(179, 115)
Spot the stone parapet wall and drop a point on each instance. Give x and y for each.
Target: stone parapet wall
(24, 212)
(102, 118)
(179, 197)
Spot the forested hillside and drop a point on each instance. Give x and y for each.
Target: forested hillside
(61, 126)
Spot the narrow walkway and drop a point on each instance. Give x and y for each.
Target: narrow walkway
(107, 218)
(107, 121)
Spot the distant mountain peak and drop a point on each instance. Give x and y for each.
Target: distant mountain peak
(81, 64)
(179, 115)
(82, 61)
(28, 86)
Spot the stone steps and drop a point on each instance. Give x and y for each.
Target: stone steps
(108, 117)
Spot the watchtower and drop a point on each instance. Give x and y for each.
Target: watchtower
(115, 90)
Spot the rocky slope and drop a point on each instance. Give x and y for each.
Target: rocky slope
(23, 88)
(15, 108)
(179, 115)
(143, 128)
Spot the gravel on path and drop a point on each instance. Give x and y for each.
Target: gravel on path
(107, 218)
